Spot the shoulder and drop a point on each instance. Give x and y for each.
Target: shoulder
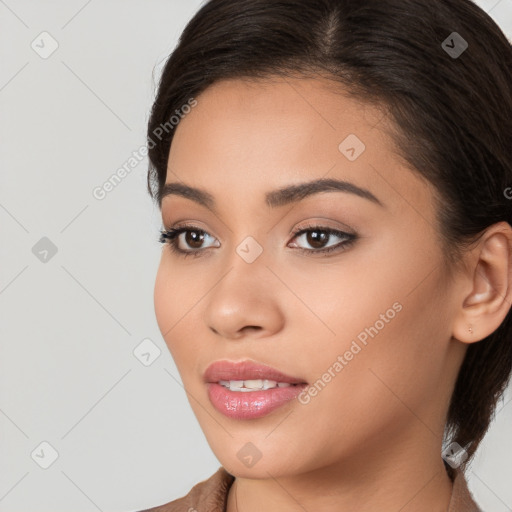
(462, 500)
(207, 496)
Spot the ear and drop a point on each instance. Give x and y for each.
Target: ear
(489, 279)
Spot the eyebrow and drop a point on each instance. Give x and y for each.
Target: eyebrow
(274, 198)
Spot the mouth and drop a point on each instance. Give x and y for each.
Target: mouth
(248, 390)
(253, 385)
(248, 375)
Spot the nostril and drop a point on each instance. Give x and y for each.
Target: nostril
(253, 327)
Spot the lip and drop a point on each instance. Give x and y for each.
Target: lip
(246, 370)
(244, 405)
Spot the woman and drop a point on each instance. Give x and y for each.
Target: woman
(335, 281)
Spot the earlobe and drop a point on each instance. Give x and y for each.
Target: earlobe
(483, 310)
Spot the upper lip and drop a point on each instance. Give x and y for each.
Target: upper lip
(246, 370)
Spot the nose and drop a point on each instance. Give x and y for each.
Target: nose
(247, 301)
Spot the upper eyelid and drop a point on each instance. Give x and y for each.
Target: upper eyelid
(319, 222)
(319, 226)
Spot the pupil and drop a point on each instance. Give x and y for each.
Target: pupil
(194, 237)
(316, 240)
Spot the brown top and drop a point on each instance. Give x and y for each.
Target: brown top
(211, 496)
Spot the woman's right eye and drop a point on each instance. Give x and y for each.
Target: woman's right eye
(193, 237)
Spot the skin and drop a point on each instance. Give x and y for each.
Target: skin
(371, 439)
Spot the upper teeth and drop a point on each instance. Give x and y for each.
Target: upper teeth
(251, 385)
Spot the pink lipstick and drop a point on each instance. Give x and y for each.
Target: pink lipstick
(248, 390)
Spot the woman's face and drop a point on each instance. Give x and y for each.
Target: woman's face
(367, 325)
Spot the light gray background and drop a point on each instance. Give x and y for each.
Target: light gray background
(124, 432)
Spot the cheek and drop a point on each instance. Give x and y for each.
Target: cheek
(377, 387)
(175, 301)
(387, 322)
(161, 299)
(170, 299)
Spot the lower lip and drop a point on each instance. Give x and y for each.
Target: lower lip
(246, 405)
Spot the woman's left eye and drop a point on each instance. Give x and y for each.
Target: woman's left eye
(316, 236)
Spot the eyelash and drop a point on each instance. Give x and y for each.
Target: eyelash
(170, 237)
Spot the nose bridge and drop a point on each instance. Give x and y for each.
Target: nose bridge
(244, 295)
(250, 250)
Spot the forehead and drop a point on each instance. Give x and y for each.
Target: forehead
(257, 135)
(312, 97)
(279, 113)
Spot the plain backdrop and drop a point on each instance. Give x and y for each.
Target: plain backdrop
(113, 428)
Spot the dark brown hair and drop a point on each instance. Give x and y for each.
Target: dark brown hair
(452, 118)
